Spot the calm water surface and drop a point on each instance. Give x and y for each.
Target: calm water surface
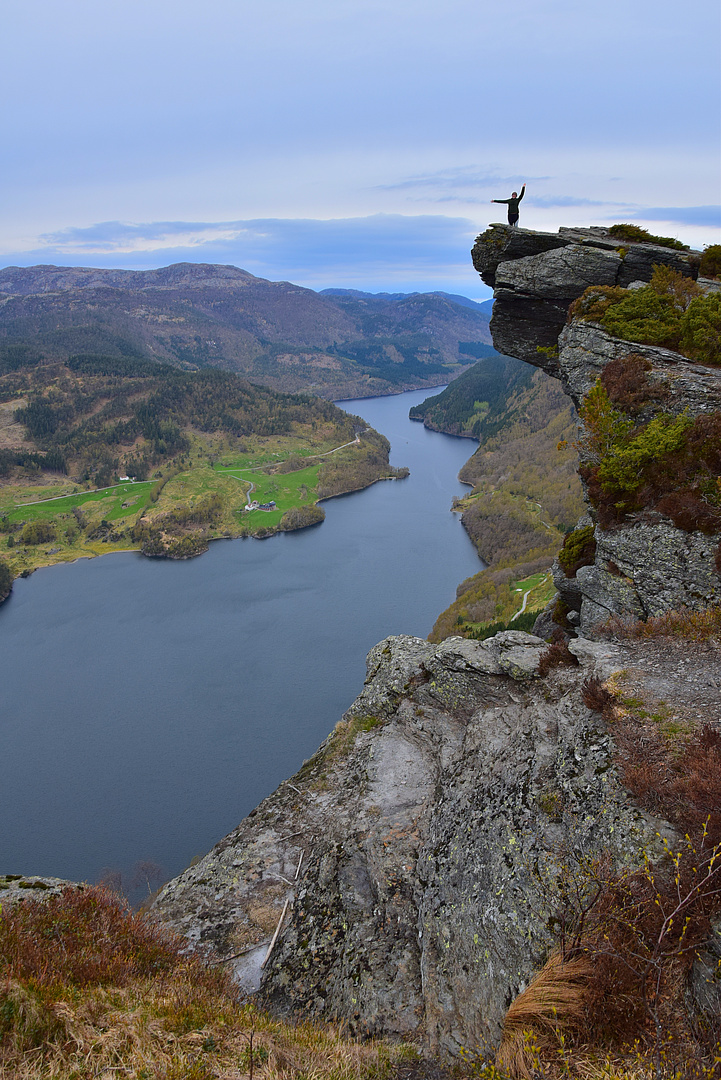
(146, 706)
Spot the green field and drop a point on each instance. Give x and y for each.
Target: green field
(76, 514)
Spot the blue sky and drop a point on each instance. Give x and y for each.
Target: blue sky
(350, 143)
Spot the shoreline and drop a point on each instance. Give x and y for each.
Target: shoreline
(273, 531)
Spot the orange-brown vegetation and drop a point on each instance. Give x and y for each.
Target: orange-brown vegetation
(628, 385)
(630, 938)
(88, 989)
(683, 624)
(557, 654)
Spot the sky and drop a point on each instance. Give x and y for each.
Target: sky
(349, 143)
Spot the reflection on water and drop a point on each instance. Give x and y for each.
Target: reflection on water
(147, 706)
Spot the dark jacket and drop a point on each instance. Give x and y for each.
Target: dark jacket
(512, 203)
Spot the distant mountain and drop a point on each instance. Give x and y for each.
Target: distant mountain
(339, 343)
(464, 301)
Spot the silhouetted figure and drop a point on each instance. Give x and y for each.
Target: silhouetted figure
(512, 205)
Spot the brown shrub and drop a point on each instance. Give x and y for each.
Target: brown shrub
(679, 782)
(556, 655)
(598, 697)
(688, 511)
(627, 383)
(683, 623)
(82, 937)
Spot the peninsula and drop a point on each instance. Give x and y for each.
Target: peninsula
(102, 454)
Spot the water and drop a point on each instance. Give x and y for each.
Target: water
(146, 706)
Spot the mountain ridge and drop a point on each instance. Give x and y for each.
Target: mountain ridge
(196, 315)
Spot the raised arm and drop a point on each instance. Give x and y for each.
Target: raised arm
(523, 192)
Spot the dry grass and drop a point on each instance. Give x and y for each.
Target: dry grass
(87, 990)
(552, 1005)
(684, 624)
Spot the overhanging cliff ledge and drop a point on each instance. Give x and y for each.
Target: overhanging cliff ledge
(537, 275)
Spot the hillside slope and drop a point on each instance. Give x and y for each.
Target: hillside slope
(197, 315)
(107, 453)
(526, 492)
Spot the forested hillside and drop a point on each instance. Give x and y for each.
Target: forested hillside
(116, 451)
(526, 492)
(338, 344)
(476, 403)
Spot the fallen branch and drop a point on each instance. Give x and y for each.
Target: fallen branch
(244, 952)
(275, 935)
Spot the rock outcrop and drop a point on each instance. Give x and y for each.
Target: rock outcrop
(536, 276)
(14, 888)
(647, 565)
(418, 845)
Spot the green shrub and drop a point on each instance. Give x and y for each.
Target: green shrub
(644, 315)
(671, 311)
(710, 266)
(635, 234)
(701, 330)
(579, 549)
(38, 532)
(6, 578)
(298, 517)
(623, 470)
(670, 464)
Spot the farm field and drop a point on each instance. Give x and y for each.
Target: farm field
(81, 523)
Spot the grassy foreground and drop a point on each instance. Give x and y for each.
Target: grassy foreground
(88, 989)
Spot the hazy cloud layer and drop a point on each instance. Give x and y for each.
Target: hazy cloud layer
(227, 114)
(384, 251)
(683, 215)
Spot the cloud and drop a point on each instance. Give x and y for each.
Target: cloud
(684, 215)
(564, 200)
(462, 177)
(380, 252)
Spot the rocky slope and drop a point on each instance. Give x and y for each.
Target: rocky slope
(418, 847)
(416, 827)
(275, 332)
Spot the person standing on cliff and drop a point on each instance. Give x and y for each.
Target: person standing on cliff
(512, 205)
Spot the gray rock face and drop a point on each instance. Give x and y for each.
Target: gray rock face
(417, 826)
(657, 568)
(536, 276)
(584, 350)
(15, 888)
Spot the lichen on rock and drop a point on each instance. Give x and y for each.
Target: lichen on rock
(417, 909)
